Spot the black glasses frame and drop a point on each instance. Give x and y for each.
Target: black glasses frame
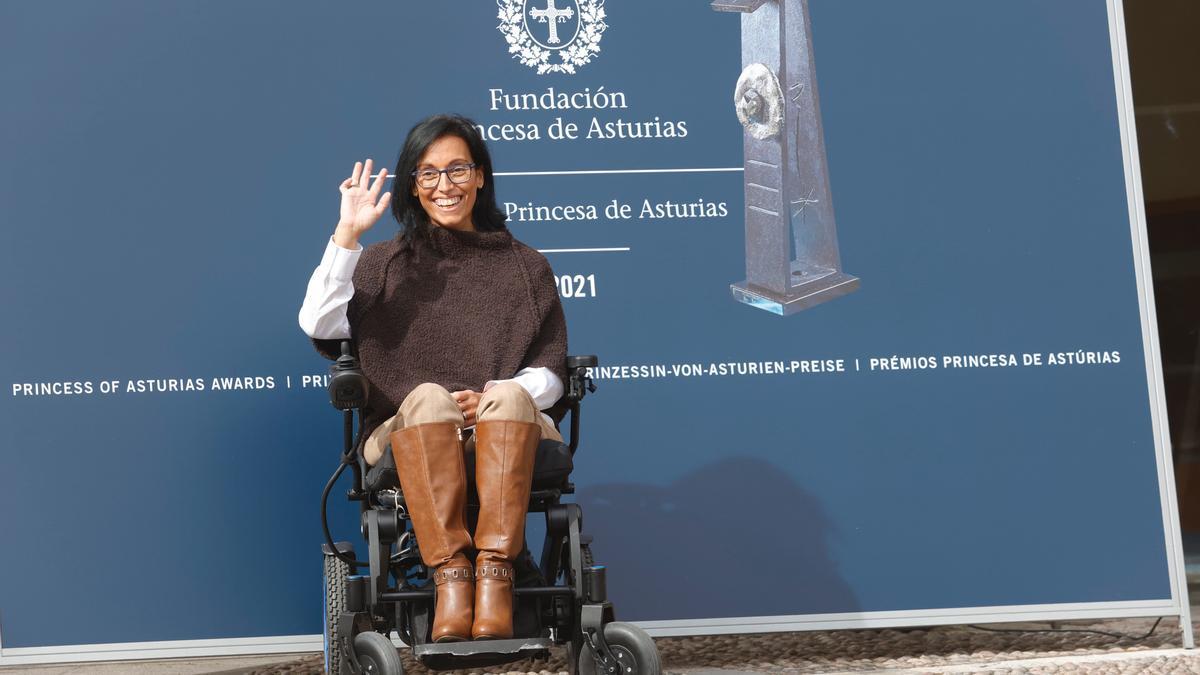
(447, 170)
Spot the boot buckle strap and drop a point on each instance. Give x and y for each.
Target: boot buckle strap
(493, 572)
(448, 574)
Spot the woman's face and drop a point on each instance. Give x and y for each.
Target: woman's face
(448, 204)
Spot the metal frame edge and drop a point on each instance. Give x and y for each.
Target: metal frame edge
(1149, 317)
(172, 649)
(297, 644)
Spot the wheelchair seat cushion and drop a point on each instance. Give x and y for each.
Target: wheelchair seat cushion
(551, 467)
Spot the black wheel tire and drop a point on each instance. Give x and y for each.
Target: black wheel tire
(336, 571)
(574, 649)
(585, 561)
(633, 647)
(377, 655)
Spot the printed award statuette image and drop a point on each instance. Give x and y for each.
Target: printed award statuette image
(788, 204)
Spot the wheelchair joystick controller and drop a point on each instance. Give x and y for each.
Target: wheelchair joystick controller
(348, 387)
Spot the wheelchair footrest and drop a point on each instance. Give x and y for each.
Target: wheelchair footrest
(426, 594)
(474, 647)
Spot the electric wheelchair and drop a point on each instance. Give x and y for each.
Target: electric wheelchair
(559, 600)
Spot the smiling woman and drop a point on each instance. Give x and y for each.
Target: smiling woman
(446, 183)
(438, 144)
(458, 325)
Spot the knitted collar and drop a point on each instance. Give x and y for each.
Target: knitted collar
(452, 242)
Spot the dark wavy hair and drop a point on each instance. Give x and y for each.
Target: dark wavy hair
(486, 216)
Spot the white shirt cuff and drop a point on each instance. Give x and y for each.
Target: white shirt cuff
(542, 384)
(323, 314)
(340, 262)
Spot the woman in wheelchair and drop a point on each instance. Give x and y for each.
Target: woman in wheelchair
(457, 325)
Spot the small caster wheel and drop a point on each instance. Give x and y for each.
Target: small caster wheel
(633, 647)
(377, 655)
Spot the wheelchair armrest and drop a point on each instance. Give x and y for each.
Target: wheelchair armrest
(579, 384)
(348, 387)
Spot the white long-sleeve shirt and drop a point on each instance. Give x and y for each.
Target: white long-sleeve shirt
(323, 316)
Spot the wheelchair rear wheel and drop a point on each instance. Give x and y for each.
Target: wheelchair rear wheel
(633, 647)
(336, 571)
(377, 655)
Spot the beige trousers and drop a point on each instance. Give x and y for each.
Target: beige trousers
(429, 403)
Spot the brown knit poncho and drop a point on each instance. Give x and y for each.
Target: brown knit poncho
(457, 309)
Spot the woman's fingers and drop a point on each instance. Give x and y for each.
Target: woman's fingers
(359, 178)
(468, 403)
(377, 186)
(383, 203)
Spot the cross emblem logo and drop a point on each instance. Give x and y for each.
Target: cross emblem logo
(569, 41)
(553, 16)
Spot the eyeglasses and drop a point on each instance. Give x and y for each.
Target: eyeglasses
(458, 174)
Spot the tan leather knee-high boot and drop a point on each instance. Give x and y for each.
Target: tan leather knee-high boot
(429, 461)
(504, 454)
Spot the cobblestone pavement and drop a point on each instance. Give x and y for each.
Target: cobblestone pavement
(1035, 649)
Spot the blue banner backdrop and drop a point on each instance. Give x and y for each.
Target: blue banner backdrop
(170, 174)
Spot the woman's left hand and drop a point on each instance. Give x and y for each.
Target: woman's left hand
(468, 403)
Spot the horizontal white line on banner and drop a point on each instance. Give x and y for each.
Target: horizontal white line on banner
(617, 249)
(588, 172)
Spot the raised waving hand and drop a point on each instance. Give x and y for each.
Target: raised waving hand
(361, 205)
